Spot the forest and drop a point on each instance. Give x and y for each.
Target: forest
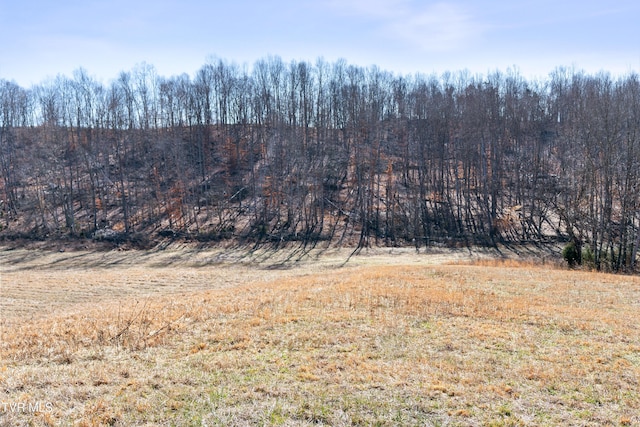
(326, 153)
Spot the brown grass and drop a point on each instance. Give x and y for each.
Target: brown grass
(379, 343)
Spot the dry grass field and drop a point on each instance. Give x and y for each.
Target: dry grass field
(187, 337)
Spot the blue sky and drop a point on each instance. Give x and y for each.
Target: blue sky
(42, 38)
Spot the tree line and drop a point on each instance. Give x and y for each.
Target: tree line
(327, 152)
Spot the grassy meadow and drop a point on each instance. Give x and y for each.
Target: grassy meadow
(391, 338)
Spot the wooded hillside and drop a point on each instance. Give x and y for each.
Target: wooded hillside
(326, 152)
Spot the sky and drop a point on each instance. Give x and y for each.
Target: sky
(40, 39)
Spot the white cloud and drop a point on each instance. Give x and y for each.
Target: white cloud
(370, 8)
(438, 26)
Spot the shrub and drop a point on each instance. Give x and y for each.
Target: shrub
(572, 254)
(588, 257)
(106, 234)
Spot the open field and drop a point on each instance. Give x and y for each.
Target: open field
(185, 337)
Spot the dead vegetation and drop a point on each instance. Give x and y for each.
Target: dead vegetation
(389, 340)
